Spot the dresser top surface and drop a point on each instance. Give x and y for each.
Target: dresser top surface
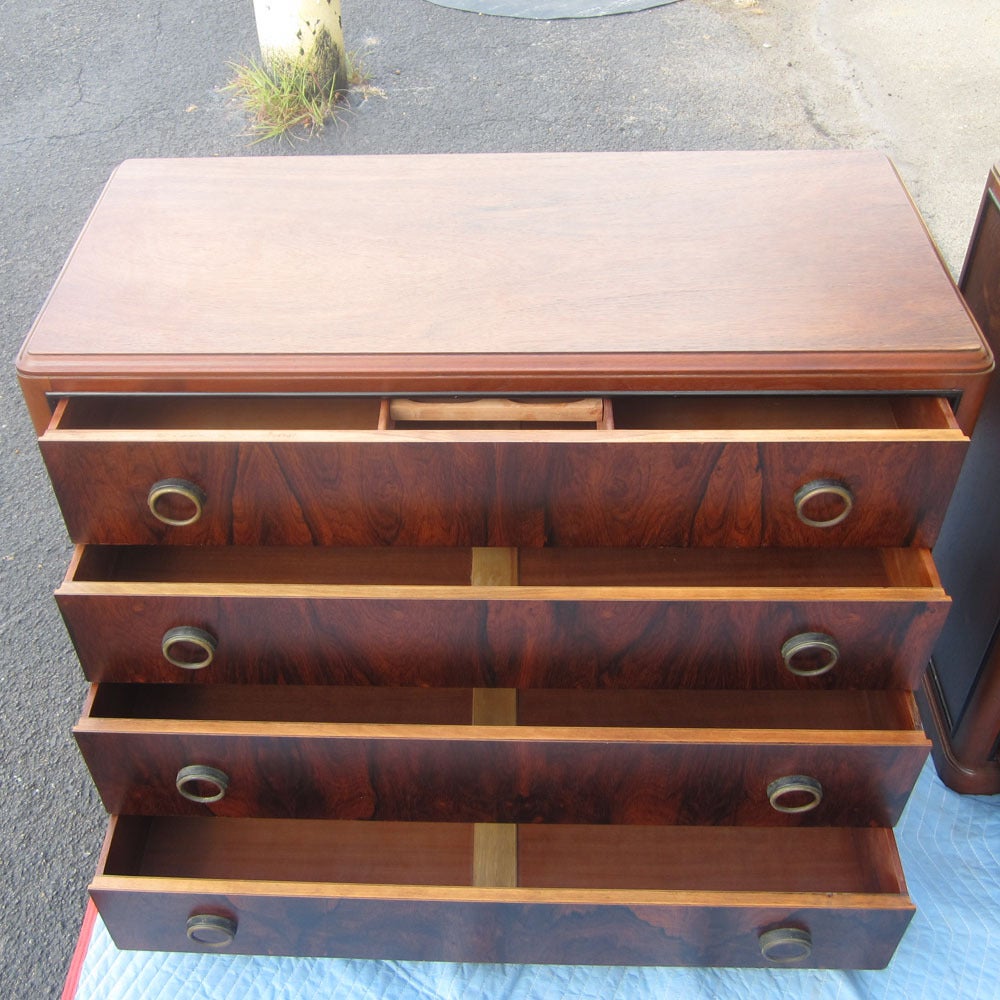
(527, 269)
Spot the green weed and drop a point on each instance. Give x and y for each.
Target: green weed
(286, 95)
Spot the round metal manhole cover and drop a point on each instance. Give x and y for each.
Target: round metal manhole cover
(551, 10)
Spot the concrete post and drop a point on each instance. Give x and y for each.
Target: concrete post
(306, 31)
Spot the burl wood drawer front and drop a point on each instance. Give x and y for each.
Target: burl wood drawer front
(603, 618)
(453, 892)
(751, 758)
(664, 471)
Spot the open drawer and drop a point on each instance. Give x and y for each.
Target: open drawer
(845, 758)
(642, 470)
(597, 618)
(587, 895)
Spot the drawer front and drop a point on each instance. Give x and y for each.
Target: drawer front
(524, 774)
(573, 895)
(619, 493)
(681, 934)
(581, 642)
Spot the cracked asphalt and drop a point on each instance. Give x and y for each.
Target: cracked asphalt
(88, 84)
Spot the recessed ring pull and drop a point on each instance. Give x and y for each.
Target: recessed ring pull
(795, 793)
(810, 654)
(188, 647)
(828, 497)
(785, 944)
(176, 502)
(211, 930)
(202, 784)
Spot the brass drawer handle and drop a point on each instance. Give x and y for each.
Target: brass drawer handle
(785, 944)
(825, 488)
(199, 783)
(794, 785)
(176, 639)
(174, 489)
(815, 648)
(211, 930)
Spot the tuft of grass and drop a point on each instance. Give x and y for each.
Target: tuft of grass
(286, 95)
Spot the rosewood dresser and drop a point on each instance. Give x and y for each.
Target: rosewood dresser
(505, 558)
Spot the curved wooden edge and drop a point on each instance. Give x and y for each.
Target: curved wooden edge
(35, 392)
(511, 374)
(980, 777)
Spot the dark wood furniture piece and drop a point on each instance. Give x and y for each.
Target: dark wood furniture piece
(505, 558)
(961, 696)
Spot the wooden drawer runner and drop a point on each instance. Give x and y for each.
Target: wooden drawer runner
(689, 757)
(599, 618)
(656, 470)
(493, 893)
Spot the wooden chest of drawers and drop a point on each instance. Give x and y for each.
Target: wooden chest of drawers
(512, 558)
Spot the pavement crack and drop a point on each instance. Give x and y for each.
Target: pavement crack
(77, 86)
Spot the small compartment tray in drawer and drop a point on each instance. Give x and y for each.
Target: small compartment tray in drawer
(651, 470)
(598, 618)
(495, 893)
(847, 758)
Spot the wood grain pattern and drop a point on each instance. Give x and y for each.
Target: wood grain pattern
(557, 492)
(714, 640)
(845, 887)
(546, 314)
(491, 773)
(858, 933)
(494, 567)
(499, 410)
(494, 854)
(493, 707)
(433, 624)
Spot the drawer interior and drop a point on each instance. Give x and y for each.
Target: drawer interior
(538, 567)
(217, 413)
(624, 413)
(543, 856)
(832, 710)
(871, 412)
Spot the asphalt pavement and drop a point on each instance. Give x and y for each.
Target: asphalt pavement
(88, 83)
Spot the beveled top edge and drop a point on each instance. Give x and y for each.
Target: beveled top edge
(100, 306)
(508, 373)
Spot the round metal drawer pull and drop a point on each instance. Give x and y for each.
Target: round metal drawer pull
(820, 649)
(794, 785)
(173, 489)
(823, 488)
(785, 944)
(211, 930)
(198, 783)
(175, 639)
